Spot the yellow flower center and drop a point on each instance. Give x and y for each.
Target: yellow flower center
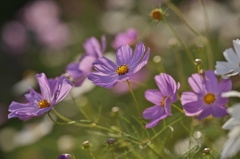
(209, 98)
(163, 101)
(156, 14)
(121, 70)
(43, 104)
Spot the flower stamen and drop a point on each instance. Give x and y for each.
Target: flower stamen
(209, 98)
(123, 69)
(163, 101)
(43, 104)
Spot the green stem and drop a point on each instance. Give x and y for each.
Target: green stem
(180, 110)
(156, 135)
(155, 151)
(112, 152)
(188, 53)
(209, 48)
(190, 137)
(180, 15)
(80, 108)
(90, 124)
(91, 154)
(134, 98)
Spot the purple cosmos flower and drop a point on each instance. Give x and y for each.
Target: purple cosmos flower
(52, 92)
(126, 38)
(161, 98)
(78, 71)
(206, 97)
(65, 156)
(110, 73)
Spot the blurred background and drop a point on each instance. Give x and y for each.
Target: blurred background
(46, 35)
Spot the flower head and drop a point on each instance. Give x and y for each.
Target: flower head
(157, 14)
(52, 92)
(126, 38)
(161, 99)
(78, 71)
(65, 156)
(206, 97)
(110, 73)
(232, 66)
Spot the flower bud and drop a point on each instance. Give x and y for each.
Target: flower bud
(111, 141)
(65, 156)
(86, 145)
(198, 61)
(207, 151)
(157, 14)
(115, 111)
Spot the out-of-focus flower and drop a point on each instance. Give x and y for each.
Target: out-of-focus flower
(162, 98)
(110, 73)
(52, 92)
(230, 68)
(38, 15)
(65, 156)
(129, 37)
(78, 71)
(157, 14)
(136, 80)
(206, 97)
(232, 145)
(14, 37)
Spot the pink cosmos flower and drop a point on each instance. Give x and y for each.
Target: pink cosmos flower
(126, 38)
(52, 92)
(206, 97)
(162, 99)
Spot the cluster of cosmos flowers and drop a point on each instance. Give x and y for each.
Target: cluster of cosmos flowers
(205, 98)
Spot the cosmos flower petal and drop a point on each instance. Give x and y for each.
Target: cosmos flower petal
(219, 111)
(204, 113)
(154, 122)
(231, 123)
(230, 56)
(92, 47)
(231, 147)
(63, 88)
(154, 96)
(191, 105)
(236, 44)
(73, 71)
(167, 106)
(234, 111)
(197, 83)
(231, 94)
(107, 81)
(44, 86)
(166, 84)
(85, 64)
(225, 67)
(15, 105)
(138, 53)
(211, 81)
(126, 38)
(33, 96)
(105, 65)
(152, 112)
(124, 55)
(225, 85)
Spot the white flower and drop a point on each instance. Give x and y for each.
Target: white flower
(232, 66)
(232, 145)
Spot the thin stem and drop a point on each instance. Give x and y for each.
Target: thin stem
(180, 110)
(156, 135)
(80, 108)
(91, 154)
(90, 124)
(112, 152)
(190, 136)
(180, 41)
(180, 15)
(134, 98)
(209, 48)
(154, 151)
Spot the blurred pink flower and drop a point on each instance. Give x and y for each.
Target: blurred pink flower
(14, 37)
(129, 37)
